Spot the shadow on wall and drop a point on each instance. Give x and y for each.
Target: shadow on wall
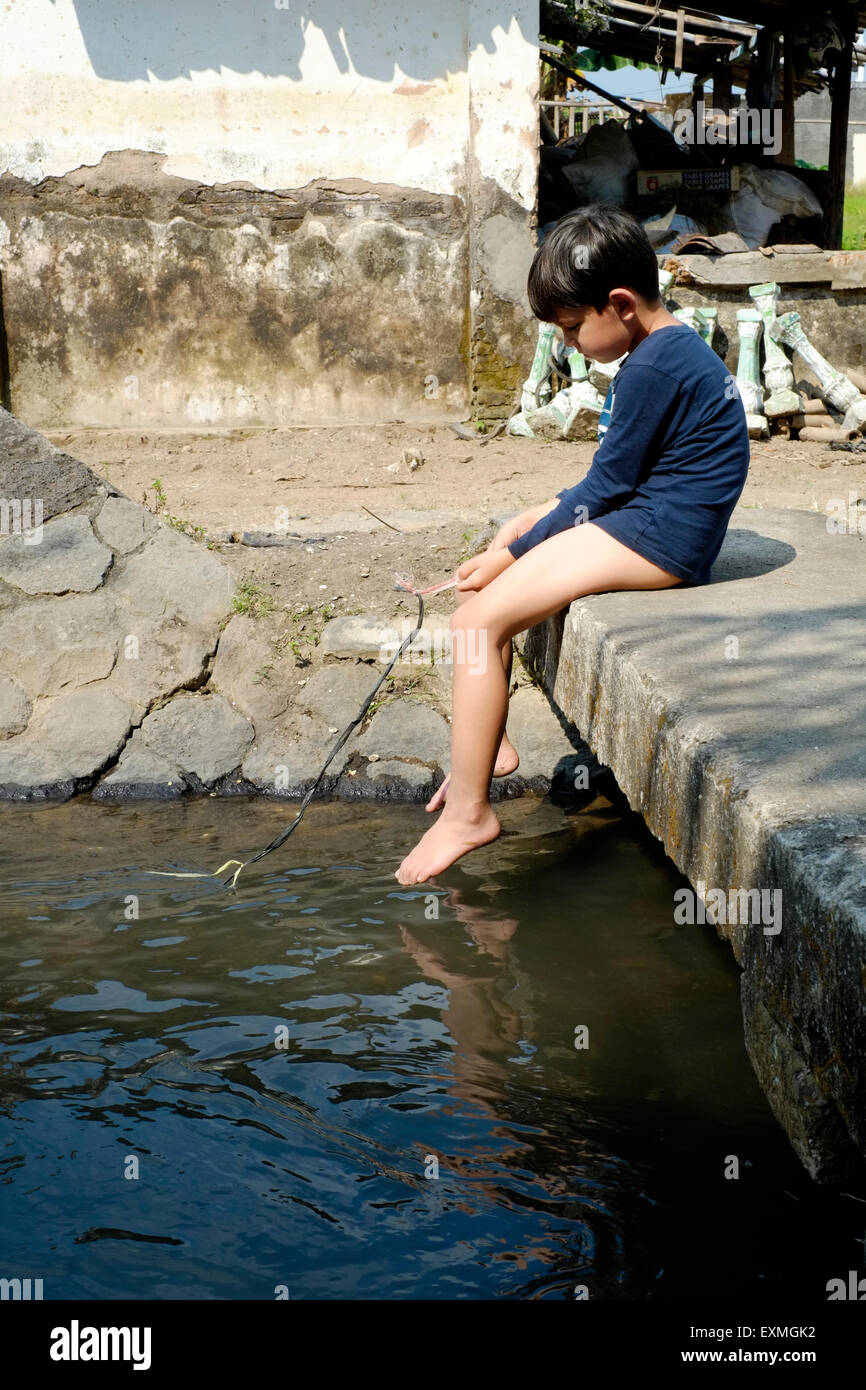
(127, 40)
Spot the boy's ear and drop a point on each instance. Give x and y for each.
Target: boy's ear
(624, 301)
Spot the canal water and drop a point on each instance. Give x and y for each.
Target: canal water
(523, 1082)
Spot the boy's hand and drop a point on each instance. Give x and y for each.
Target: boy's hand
(519, 525)
(507, 533)
(481, 569)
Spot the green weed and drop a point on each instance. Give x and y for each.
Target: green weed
(252, 600)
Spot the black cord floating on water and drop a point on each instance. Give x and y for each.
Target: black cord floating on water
(404, 583)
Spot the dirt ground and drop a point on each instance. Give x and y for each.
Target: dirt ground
(236, 481)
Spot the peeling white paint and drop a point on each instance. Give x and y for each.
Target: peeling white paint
(504, 91)
(438, 98)
(276, 97)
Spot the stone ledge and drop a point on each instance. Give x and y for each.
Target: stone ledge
(733, 716)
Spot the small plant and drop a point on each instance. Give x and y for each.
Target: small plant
(186, 527)
(466, 551)
(177, 523)
(401, 687)
(252, 600)
(389, 688)
(307, 625)
(528, 670)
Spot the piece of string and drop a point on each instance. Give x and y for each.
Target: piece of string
(405, 583)
(655, 17)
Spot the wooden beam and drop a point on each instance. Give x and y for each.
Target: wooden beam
(721, 75)
(620, 26)
(558, 21)
(773, 13)
(787, 152)
(697, 96)
(751, 267)
(702, 23)
(838, 154)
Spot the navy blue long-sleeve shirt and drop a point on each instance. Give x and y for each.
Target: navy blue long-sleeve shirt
(672, 462)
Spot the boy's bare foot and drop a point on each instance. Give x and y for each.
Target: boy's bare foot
(448, 840)
(506, 761)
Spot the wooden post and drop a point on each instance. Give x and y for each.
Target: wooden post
(775, 102)
(722, 87)
(762, 89)
(697, 96)
(787, 153)
(837, 157)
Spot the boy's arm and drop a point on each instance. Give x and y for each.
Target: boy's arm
(641, 409)
(518, 525)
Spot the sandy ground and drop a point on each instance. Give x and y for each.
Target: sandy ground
(238, 481)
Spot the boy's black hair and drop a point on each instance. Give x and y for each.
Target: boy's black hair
(585, 255)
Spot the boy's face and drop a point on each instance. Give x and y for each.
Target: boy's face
(602, 334)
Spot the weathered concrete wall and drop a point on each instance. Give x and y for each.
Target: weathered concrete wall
(213, 217)
(278, 96)
(733, 716)
(502, 179)
(134, 298)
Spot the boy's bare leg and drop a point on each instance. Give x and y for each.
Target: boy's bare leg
(506, 758)
(581, 560)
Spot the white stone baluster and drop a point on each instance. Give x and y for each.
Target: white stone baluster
(601, 374)
(536, 388)
(781, 399)
(749, 326)
(706, 323)
(835, 386)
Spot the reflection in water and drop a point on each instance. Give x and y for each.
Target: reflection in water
(356, 1091)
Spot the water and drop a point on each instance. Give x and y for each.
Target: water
(284, 1068)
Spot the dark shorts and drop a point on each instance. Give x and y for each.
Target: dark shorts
(682, 541)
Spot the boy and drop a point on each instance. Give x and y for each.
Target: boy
(651, 513)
